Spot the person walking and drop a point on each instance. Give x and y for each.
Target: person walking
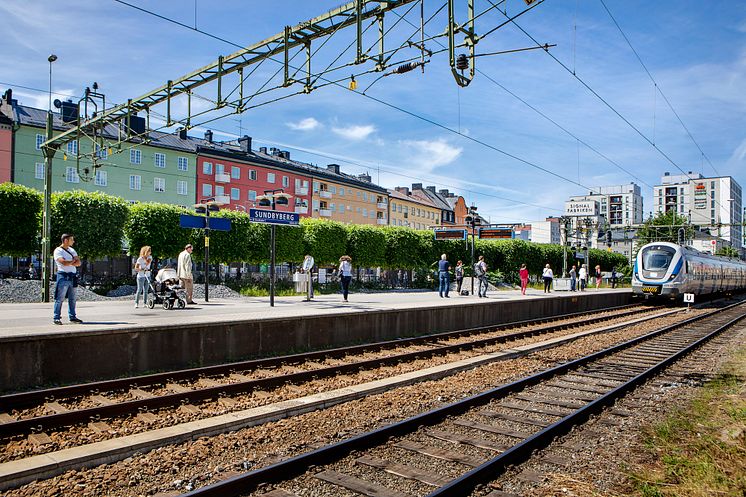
(31, 272)
(67, 261)
(458, 272)
(443, 278)
(614, 278)
(523, 273)
(548, 276)
(583, 277)
(573, 278)
(480, 271)
(184, 272)
(142, 268)
(599, 276)
(345, 274)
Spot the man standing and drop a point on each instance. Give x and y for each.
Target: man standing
(184, 272)
(443, 267)
(67, 261)
(573, 278)
(480, 271)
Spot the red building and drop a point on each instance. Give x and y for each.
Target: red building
(6, 138)
(235, 175)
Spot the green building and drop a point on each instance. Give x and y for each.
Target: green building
(163, 170)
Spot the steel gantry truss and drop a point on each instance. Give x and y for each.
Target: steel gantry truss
(237, 85)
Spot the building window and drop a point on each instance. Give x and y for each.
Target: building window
(341, 190)
(181, 187)
(252, 195)
(135, 182)
(71, 175)
(333, 189)
(39, 170)
(72, 147)
(159, 185)
(235, 194)
(341, 208)
(39, 141)
(207, 190)
(182, 164)
(102, 178)
(207, 168)
(160, 160)
(219, 190)
(252, 174)
(365, 212)
(102, 153)
(270, 177)
(219, 169)
(235, 172)
(285, 182)
(135, 156)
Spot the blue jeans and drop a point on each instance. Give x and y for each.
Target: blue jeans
(572, 284)
(482, 290)
(64, 288)
(142, 287)
(445, 283)
(345, 281)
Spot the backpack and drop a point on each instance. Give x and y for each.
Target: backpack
(478, 271)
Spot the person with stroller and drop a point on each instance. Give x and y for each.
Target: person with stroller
(142, 269)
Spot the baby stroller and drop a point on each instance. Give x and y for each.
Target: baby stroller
(168, 292)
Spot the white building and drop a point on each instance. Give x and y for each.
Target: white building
(619, 205)
(547, 231)
(714, 203)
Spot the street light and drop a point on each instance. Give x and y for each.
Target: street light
(472, 219)
(206, 206)
(271, 199)
(46, 242)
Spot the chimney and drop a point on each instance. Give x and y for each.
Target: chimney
(6, 104)
(333, 168)
(285, 154)
(666, 173)
(245, 143)
(183, 134)
(445, 193)
(364, 177)
(431, 189)
(208, 136)
(416, 186)
(263, 150)
(402, 189)
(274, 151)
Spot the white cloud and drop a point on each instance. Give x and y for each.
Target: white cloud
(430, 154)
(355, 132)
(307, 124)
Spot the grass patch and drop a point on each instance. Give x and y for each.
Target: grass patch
(700, 449)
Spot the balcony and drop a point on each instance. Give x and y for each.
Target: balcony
(301, 191)
(382, 205)
(325, 194)
(222, 178)
(382, 220)
(222, 199)
(325, 213)
(301, 210)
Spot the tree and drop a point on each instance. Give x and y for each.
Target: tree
(156, 225)
(366, 245)
(325, 240)
(727, 252)
(664, 227)
(96, 219)
(403, 248)
(20, 223)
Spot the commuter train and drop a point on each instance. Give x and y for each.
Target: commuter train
(669, 270)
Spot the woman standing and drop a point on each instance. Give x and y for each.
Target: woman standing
(142, 268)
(583, 277)
(345, 274)
(523, 273)
(548, 276)
(598, 277)
(459, 272)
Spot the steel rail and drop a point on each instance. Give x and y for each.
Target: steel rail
(57, 420)
(282, 471)
(36, 397)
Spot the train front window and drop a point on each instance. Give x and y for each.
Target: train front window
(657, 258)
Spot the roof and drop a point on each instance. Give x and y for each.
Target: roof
(438, 200)
(396, 195)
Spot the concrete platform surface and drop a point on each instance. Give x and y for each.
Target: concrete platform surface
(22, 321)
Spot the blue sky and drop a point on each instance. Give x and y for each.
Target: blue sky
(695, 51)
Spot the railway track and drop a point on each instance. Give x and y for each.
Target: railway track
(451, 450)
(51, 409)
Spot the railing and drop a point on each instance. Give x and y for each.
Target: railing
(301, 210)
(325, 213)
(382, 205)
(325, 194)
(222, 178)
(301, 191)
(382, 220)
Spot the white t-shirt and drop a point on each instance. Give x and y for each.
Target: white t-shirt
(582, 274)
(345, 268)
(67, 255)
(144, 266)
(547, 273)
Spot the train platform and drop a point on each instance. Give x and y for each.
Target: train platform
(116, 339)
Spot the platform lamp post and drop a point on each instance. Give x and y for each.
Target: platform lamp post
(472, 220)
(205, 206)
(46, 242)
(271, 199)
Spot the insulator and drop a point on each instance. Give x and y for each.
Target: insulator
(462, 63)
(405, 68)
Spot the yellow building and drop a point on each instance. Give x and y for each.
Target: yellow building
(348, 199)
(411, 209)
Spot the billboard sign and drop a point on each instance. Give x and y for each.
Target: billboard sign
(496, 233)
(450, 234)
(581, 208)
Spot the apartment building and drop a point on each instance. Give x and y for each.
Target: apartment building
(620, 205)
(347, 198)
(411, 210)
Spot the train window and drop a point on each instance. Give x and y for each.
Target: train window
(657, 258)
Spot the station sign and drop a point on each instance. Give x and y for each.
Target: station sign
(199, 222)
(580, 208)
(496, 233)
(450, 234)
(274, 217)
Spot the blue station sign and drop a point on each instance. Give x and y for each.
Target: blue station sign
(200, 222)
(274, 217)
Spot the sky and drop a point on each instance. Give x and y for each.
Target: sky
(530, 130)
